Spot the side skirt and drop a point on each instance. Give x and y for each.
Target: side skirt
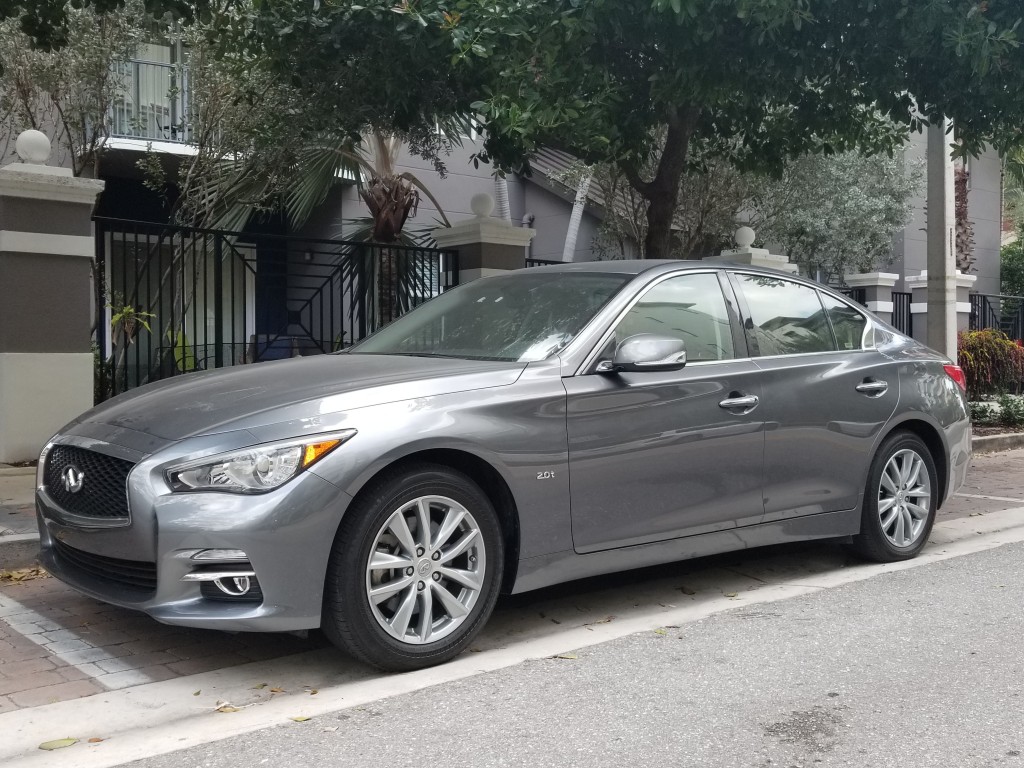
(558, 567)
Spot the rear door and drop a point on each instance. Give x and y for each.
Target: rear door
(655, 456)
(827, 393)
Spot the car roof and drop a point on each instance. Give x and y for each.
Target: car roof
(640, 266)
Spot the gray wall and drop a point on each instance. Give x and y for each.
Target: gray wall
(550, 211)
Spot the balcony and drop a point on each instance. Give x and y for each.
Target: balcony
(154, 103)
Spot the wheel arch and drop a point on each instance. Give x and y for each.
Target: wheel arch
(491, 482)
(931, 437)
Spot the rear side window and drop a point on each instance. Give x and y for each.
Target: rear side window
(786, 318)
(847, 322)
(688, 307)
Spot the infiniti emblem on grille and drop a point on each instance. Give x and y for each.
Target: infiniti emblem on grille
(73, 478)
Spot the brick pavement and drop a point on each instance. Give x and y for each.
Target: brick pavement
(56, 644)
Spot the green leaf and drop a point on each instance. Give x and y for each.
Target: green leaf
(49, 746)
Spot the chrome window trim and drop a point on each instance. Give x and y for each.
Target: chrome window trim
(595, 352)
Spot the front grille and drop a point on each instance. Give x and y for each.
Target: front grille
(104, 482)
(131, 573)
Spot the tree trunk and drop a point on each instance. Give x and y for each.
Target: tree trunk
(660, 211)
(662, 192)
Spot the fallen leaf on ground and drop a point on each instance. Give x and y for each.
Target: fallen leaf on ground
(330, 728)
(225, 706)
(196, 693)
(95, 740)
(299, 719)
(730, 594)
(565, 656)
(661, 631)
(605, 620)
(19, 575)
(259, 686)
(277, 690)
(49, 746)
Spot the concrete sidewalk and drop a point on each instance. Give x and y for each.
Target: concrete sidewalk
(19, 535)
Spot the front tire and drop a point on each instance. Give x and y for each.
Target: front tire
(900, 500)
(415, 569)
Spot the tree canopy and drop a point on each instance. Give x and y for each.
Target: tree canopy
(757, 81)
(754, 81)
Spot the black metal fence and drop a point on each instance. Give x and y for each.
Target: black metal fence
(541, 262)
(902, 319)
(171, 300)
(1005, 313)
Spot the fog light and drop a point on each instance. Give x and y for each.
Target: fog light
(236, 586)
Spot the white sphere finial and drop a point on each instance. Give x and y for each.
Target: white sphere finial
(33, 147)
(744, 237)
(481, 204)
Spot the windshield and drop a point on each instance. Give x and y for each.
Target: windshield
(523, 316)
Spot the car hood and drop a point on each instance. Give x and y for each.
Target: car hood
(263, 393)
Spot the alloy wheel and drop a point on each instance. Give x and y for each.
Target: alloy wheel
(426, 569)
(904, 498)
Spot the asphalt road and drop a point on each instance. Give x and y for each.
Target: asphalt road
(920, 667)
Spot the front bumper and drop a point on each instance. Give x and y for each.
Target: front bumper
(287, 535)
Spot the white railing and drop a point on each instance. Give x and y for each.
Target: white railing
(154, 103)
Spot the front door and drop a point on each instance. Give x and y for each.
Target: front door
(655, 456)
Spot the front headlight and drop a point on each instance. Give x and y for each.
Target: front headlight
(258, 469)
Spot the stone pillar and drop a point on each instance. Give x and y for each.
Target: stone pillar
(964, 286)
(877, 287)
(941, 221)
(486, 245)
(46, 254)
(755, 257)
(918, 286)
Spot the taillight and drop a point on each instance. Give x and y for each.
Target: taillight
(956, 373)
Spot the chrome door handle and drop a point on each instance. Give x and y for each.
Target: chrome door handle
(746, 401)
(876, 388)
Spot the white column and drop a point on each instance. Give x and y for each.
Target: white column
(940, 228)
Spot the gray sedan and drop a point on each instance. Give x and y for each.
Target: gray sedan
(516, 432)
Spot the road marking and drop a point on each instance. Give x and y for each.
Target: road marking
(167, 716)
(69, 647)
(989, 498)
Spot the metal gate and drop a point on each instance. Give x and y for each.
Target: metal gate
(172, 300)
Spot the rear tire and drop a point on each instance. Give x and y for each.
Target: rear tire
(415, 569)
(900, 501)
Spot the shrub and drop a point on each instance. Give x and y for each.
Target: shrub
(991, 362)
(1011, 411)
(984, 415)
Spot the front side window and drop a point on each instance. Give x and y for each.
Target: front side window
(688, 307)
(786, 318)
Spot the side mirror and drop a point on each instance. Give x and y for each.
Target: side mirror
(646, 352)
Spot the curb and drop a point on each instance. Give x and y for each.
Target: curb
(6, 471)
(18, 550)
(993, 443)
